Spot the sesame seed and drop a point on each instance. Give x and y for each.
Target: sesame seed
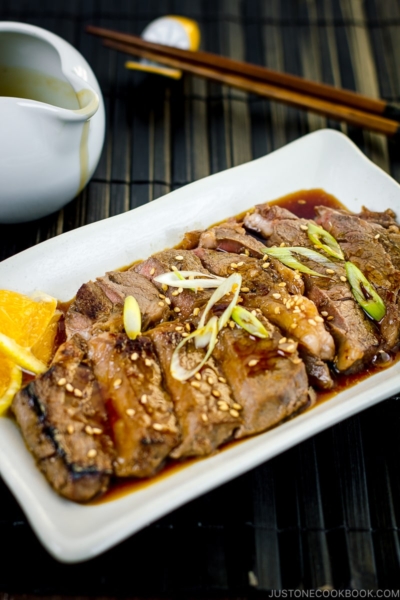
(240, 264)
(233, 266)
(168, 301)
(177, 309)
(282, 284)
(92, 453)
(237, 406)
(143, 399)
(301, 202)
(198, 376)
(265, 265)
(69, 387)
(324, 313)
(195, 384)
(179, 290)
(233, 412)
(134, 356)
(254, 312)
(179, 257)
(329, 271)
(319, 319)
(296, 361)
(246, 252)
(282, 340)
(329, 319)
(293, 326)
(62, 381)
(164, 287)
(147, 362)
(70, 429)
(222, 379)
(196, 311)
(303, 227)
(276, 296)
(377, 236)
(161, 296)
(178, 328)
(77, 393)
(161, 303)
(185, 335)
(343, 278)
(174, 268)
(216, 393)
(97, 431)
(245, 289)
(290, 348)
(232, 324)
(223, 406)
(130, 412)
(175, 293)
(158, 426)
(152, 271)
(187, 327)
(191, 277)
(204, 417)
(89, 430)
(210, 381)
(117, 383)
(277, 310)
(253, 362)
(311, 321)
(282, 244)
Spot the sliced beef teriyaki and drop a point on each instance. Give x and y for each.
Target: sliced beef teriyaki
(267, 377)
(204, 406)
(360, 244)
(231, 237)
(142, 420)
(356, 338)
(63, 420)
(182, 301)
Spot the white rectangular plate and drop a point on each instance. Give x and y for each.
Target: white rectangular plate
(325, 159)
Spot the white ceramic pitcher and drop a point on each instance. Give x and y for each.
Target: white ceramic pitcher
(52, 122)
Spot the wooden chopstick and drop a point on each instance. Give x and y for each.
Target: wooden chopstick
(256, 72)
(329, 109)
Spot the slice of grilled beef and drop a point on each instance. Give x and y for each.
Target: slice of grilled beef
(184, 301)
(356, 338)
(231, 237)
(98, 305)
(267, 378)
(295, 315)
(361, 245)
(141, 416)
(318, 372)
(204, 406)
(64, 423)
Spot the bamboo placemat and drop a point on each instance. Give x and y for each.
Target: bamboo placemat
(326, 513)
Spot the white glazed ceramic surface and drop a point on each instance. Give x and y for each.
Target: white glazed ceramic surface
(41, 162)
(326, 159)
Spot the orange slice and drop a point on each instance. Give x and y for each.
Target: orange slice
(10, 382)
(24, 319)
(44, 347)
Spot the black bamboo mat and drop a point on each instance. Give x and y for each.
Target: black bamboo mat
(326, 513)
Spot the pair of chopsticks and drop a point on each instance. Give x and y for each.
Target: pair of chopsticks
(335, 103)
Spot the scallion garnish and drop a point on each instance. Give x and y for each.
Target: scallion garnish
(132, 317)
(324, 240)
(365, 293)
(178, 279)
(285, 255)
(249, 322)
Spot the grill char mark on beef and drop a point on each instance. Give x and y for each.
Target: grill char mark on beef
(267, 378)
(360, 246)
(141, 415)
(197, 402)
(355, 336)
(271, 299)
(66, 433)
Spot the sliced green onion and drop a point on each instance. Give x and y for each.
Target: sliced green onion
(323, 239)
(249, 322)
(231, 285)
(365, 293)
(180, 373)
(286, 257)
(132, 317)
(177, 279)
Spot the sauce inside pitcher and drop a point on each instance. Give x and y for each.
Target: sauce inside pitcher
(21, 82)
